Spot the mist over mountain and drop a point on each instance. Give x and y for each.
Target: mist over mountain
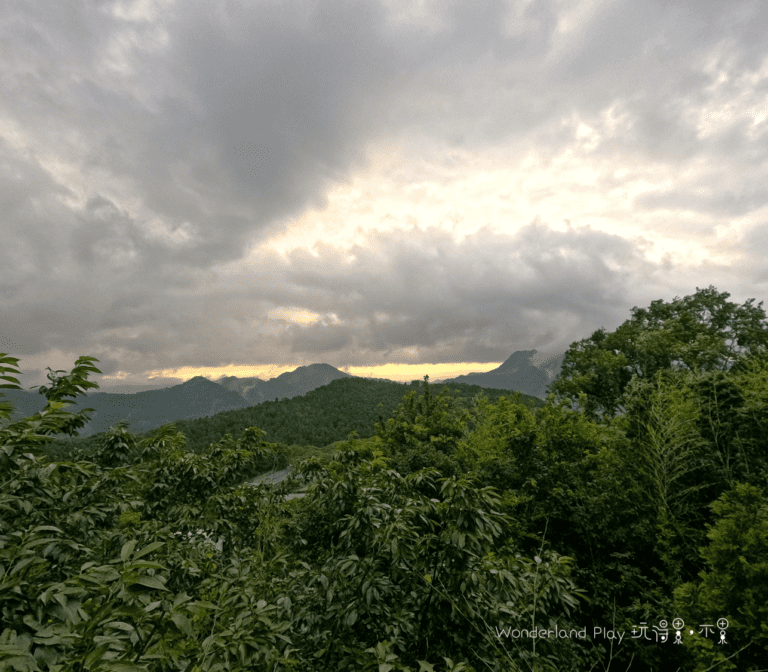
(198, 397)
(129, 389)
(285, 386)
(195, 398)
(520, 372)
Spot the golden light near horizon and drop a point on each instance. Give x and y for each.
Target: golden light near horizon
(402, 373)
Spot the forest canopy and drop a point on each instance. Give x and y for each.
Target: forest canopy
(701, 333)
(439, 542)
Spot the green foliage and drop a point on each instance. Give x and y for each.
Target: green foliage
(734, 420)
(734, 584)
(424, 431)
(116, 448)
(671, 462)
(417, 561)
(702, 332)
(77, 591)
(503, 448)
(321, 417)
(36, 431)
(420, 548)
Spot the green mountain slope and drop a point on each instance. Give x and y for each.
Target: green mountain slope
(319, 418)
(144, 411)
(287, 385)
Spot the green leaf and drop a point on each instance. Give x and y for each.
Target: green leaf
(95, 655)
(181, 598)
(424, 666)
(46, 528)
(23, 563)
(120, 625)
(183, 624)
(149, 549)
(147, 582)
(127, 549)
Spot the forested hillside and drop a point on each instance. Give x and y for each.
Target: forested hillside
(319, 418)
(629, 533)
(197, 397)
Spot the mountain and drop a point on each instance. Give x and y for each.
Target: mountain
(200, 397)
(321, 417)
(195, 398)
(520, 372)
(127, 389)
(286, 386)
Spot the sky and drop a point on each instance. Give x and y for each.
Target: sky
(395, 188)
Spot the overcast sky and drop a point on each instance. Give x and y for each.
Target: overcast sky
(393, 188)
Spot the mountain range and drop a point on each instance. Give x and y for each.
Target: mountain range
(199, 397)
(520, 372)
(286, 386)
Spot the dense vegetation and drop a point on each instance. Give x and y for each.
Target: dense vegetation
(321, 417)
(428, 545)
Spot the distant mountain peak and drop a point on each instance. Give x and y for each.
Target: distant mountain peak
(518, 372)
(317, 367)
(518, 359)
(196, 380)
(289, 384)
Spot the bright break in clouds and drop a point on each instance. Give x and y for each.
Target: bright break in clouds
(243, 188)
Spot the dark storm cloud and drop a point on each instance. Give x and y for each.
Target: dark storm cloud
(422, 293)
(140, 153)
(491, 288)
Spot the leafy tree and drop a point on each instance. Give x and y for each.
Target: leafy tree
(117, 447)
(384, 565)
(671, 461)
(424, 431)
(86, 584)
(701, 332)
(419, 562)
(734, 420)
(734, 584)
(37, 430)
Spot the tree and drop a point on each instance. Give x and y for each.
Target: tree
(669, 460)
(53, 419)
(734, 585)
(424, 430)
(86, 584)
(701, 332)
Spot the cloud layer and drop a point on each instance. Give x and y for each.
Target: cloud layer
(213, 184)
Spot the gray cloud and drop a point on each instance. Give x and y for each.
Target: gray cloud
(139, 155)
(423, 293)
